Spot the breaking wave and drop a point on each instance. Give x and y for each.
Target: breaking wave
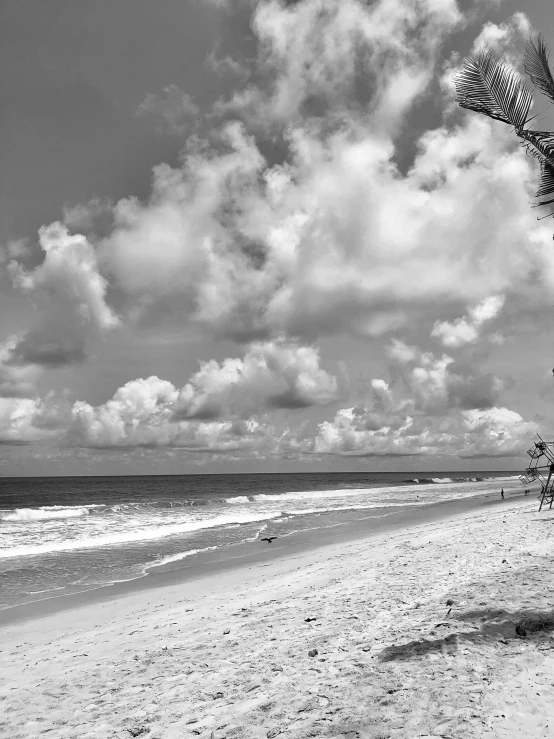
(179, 556)
(44, 513)
(443, 480)
(134, 536)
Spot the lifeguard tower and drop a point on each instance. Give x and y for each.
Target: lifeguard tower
(541, 469)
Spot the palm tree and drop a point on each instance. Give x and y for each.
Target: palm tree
(491, 87)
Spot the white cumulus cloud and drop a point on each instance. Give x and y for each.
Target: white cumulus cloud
(153, 412)
(275, 374)
(466, 330)
(69, 269)
(502, 36)
(334, 237)
(434, 407)
(28, 420)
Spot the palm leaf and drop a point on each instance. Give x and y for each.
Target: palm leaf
(546, 184)
(535, 63)
(540, 144)
(542, 141)
(494, 89)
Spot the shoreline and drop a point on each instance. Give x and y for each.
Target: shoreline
(352, 639)
(206, 564)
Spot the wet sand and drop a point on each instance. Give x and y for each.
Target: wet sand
(228, 648)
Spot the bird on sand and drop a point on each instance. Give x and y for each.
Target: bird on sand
(269, 539)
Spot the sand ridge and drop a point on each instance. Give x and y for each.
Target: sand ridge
(383, 657)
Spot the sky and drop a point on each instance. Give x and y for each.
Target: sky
(258, 235)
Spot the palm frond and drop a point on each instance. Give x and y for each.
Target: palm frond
(541, 141)
(494, 89)
(546, 184)
(542, 148)
(535, 63)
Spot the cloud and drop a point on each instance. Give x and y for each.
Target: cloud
(28, 420)
(466, 330)
(504, 39)
(501, 38)
(136, 415)
(409, 424)
(349, 435)
(69, 270)
(141, 414)
(25, 357)
(436, 384)
(152, 412)
(226, 65)
(327, 58)
(468, 388)
(433, 406)
(496, 432)
(16, 249)
(70, 295)
(16, 422)
(317, 246)
(17, 380)
(92, 217)
(272, 374)
(334, 236)
(47, 350)
(303, 212)
(383, 427)
(175, 110)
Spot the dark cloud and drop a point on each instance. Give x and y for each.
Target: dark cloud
(500, 455)
(53, 414)
(48, 351)
(14, 386)
(370, 455)
(473, 392)
(206, 412)
(290, 399)
(468, 388)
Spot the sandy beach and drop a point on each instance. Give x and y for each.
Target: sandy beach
(353, 639)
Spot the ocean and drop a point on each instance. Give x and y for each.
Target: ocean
(71, 534)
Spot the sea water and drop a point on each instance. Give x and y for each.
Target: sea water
(70, 534)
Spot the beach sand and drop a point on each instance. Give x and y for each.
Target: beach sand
(234, 654)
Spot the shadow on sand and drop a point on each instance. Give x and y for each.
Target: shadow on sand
(487, 623)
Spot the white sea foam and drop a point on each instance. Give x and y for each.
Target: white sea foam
(309, 494)
(36, 531)
(179, 556)
(377, 493)
(46, 590)
(127, 537)
(342, 509)
(41, 514)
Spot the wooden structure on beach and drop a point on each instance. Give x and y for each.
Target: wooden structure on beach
(542, 470)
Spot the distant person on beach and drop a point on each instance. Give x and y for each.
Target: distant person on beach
(502, 493)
